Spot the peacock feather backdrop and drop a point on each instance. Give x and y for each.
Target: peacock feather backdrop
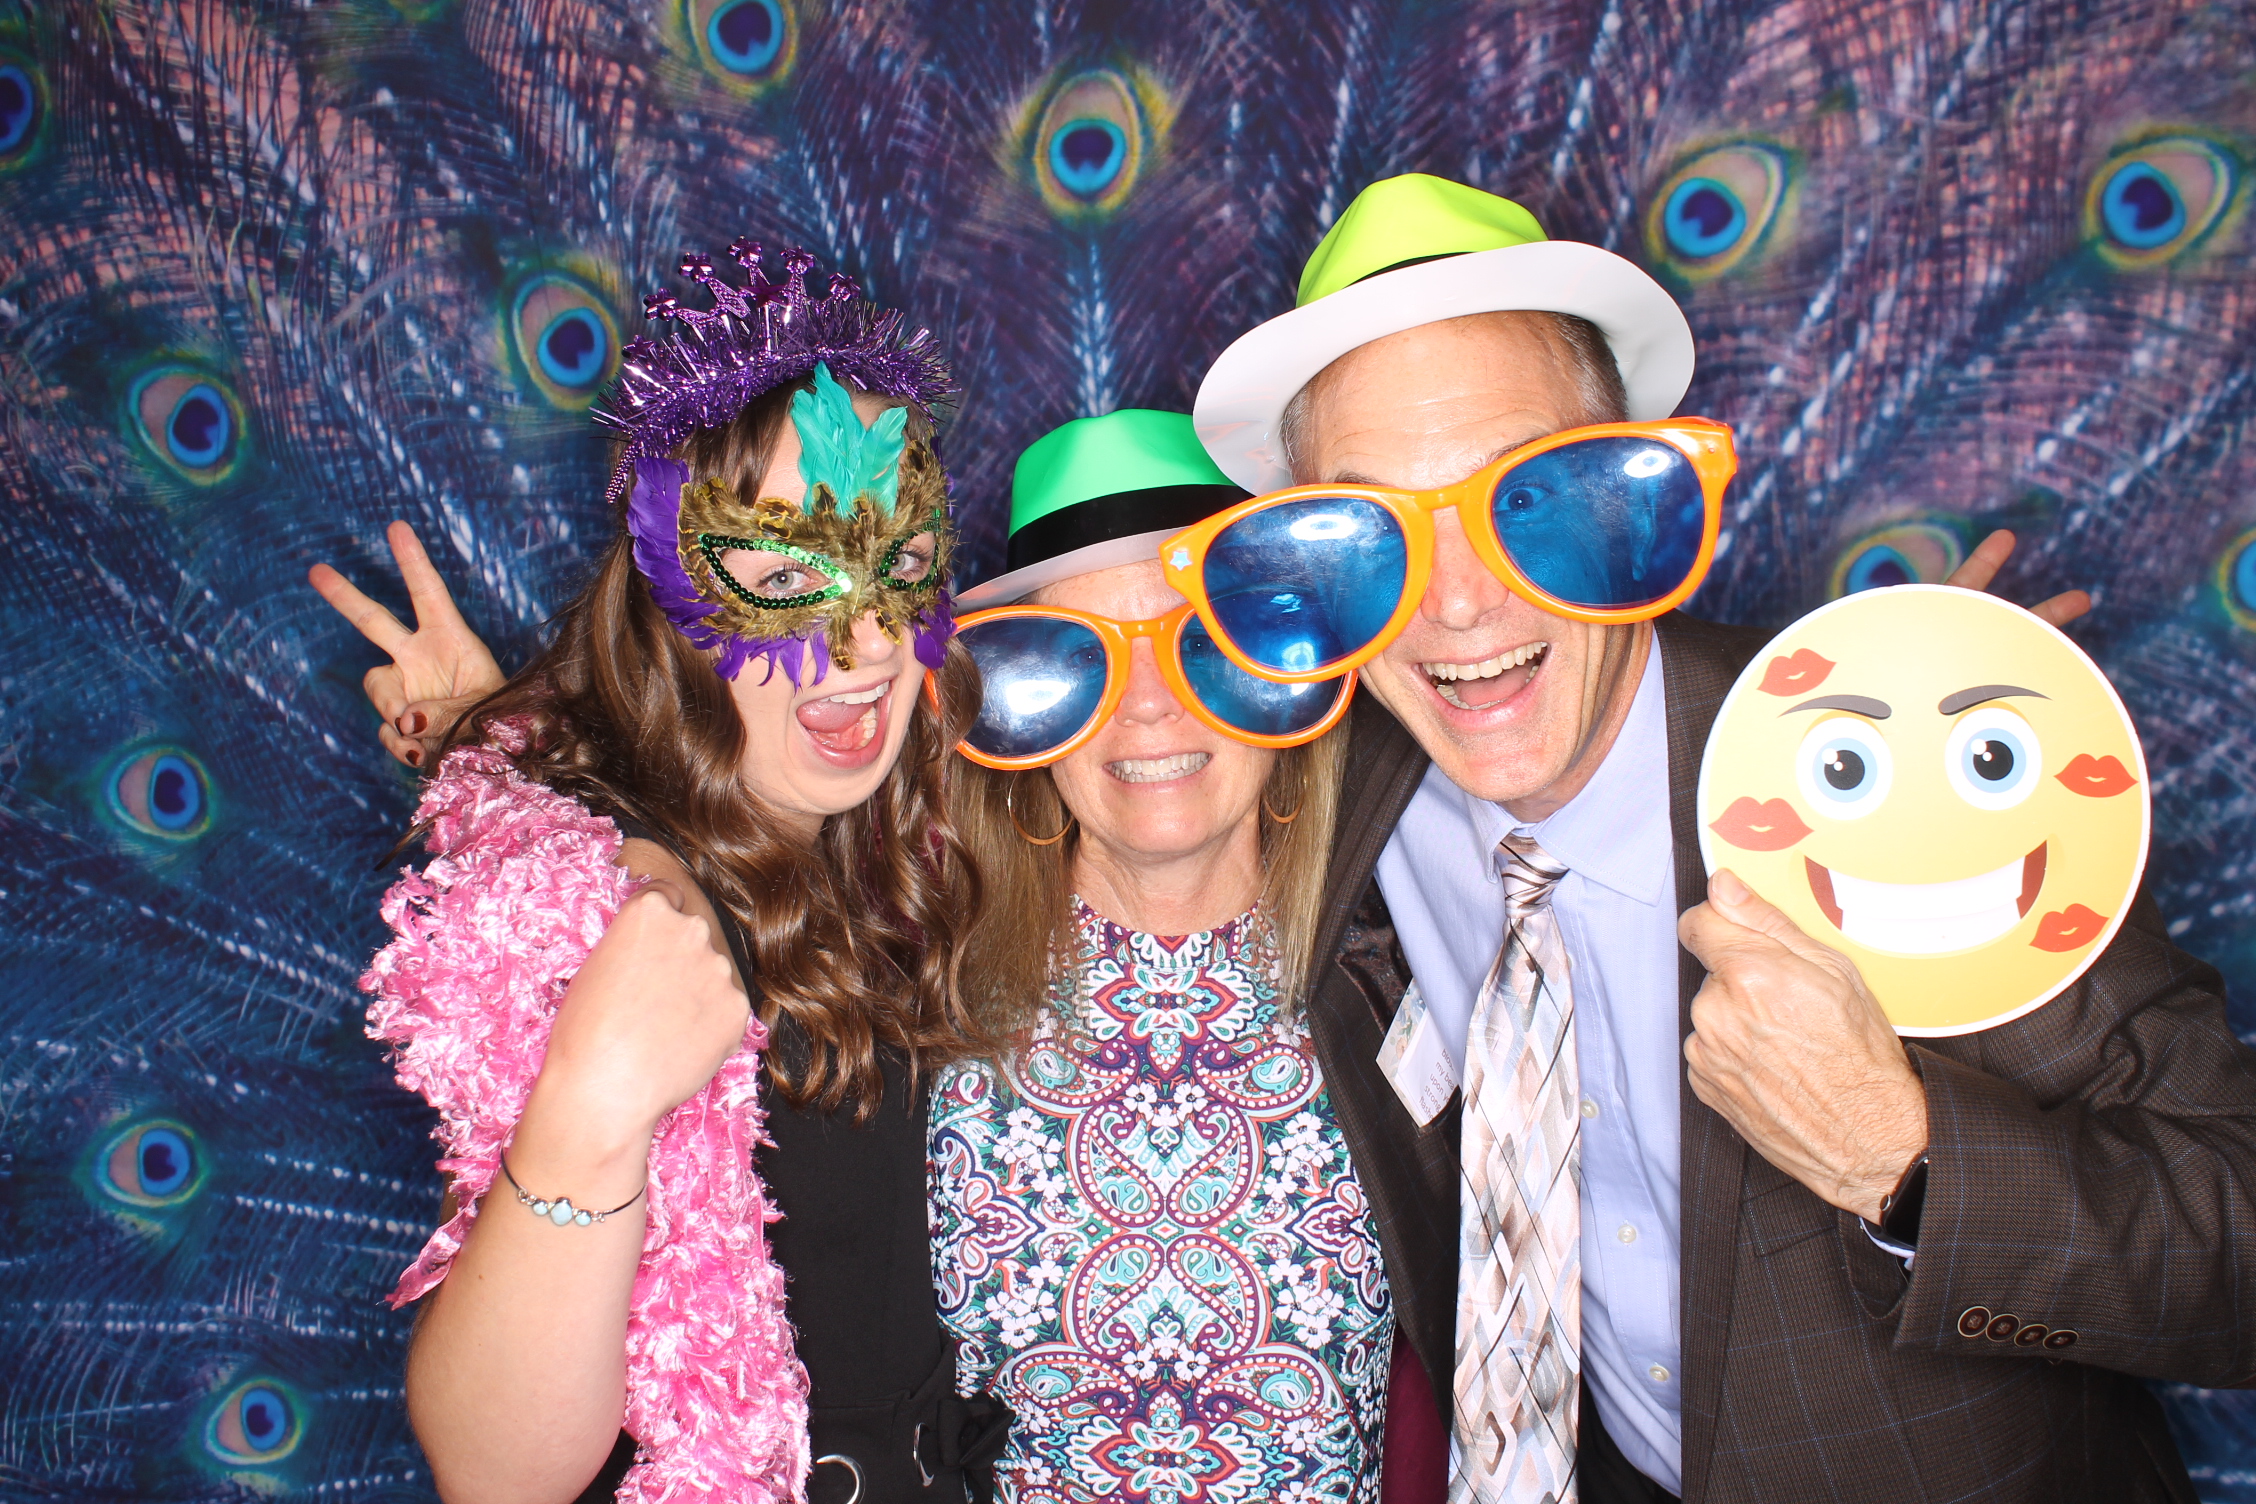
(273, 272)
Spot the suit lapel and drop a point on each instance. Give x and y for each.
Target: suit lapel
(1699, 661)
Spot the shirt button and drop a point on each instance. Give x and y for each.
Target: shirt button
(1589, 1108)
(1660, 1374)
(1626, 1233)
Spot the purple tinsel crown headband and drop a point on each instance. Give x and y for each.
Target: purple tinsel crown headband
(754, 339)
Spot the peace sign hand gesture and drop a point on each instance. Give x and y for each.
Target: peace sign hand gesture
(437, 670)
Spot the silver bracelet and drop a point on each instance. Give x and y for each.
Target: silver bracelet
(561, 1211)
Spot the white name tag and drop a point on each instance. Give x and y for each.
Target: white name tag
(1413, 1059)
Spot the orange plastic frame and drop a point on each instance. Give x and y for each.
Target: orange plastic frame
(1118, 637)
(1705, 443)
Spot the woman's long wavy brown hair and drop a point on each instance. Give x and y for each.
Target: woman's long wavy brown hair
(854, 939)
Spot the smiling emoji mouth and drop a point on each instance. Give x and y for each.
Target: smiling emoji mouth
(1929, 919)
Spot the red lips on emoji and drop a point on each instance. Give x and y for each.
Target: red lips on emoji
(2096, 777)
(1770, 825)
(1805, 669)
(2068, 929)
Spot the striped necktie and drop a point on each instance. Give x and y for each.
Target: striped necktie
(1519, 1247)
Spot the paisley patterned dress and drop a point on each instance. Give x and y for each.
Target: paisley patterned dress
(1149, 1240)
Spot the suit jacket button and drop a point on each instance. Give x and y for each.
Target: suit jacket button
(2060, 1339)
(1973, 1321)
(2002, 1328)
(2032, 1334)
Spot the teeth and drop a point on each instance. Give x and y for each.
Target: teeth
(860, 697)
(1158, 769)
(1446, 672)
(1929, 919)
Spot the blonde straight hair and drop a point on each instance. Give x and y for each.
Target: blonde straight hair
(1022, 940)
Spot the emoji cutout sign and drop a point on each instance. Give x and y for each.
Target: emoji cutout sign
(1941, 787)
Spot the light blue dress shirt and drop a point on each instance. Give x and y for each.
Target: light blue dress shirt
(1617, 908)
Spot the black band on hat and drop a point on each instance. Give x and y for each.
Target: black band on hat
(1412, 261)
(1123, 514)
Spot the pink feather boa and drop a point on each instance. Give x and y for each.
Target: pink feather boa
(488, 937)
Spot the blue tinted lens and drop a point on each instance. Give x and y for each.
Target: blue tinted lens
(1248, 703)
(1041, 680)
(1606, 523)
(1306, 583)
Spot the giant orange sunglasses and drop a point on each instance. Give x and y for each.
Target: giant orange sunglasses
(1050, 678)
(1611, 523)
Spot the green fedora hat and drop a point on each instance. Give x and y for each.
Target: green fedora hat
(1413, 250)
(1097, 492)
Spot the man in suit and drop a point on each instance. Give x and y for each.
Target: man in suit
(1809, 1260)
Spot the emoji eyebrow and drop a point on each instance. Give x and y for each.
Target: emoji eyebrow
(1967, 699)
(1871, 710)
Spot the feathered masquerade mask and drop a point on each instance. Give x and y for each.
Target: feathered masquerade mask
(787, 580)
(771, 578)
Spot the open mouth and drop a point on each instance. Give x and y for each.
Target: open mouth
(1477, 686)
(1928, 919)
(847, 725)
(1158, 769)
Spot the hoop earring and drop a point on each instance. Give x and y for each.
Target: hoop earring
(1010, 807)
(1283, 819)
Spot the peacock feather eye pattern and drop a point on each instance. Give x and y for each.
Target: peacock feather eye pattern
(255, 1424)
(23, 108)
(2150, 202)
(190, 421)
(162, 792)
(2236, 580)
(1717, 208)
(148, 1164)
(747, 45)
(1092, 138)
(1903, 553)
(562, 337)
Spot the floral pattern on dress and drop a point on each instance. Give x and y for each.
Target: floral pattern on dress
(1149, 1241)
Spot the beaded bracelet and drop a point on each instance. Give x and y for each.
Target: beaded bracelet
(561, 1211)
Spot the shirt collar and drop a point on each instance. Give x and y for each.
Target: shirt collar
(1616, 831)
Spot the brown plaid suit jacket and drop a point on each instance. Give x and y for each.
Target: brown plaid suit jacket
(2094, 1165)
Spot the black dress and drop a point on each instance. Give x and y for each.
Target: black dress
(856, 1251)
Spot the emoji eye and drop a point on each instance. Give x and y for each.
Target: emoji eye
(149, 1164)
(1844, 768)
(564, 335)
(2150, 202)
(1716, 208)
(1993, 758)
(255, 1423)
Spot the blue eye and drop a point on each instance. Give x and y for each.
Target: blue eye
(1844, 768)
(564, 333)
(1993, 758)
(1087, 155)
(2236, 580)
(746, 36)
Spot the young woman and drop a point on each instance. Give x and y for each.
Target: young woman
(735, 706)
